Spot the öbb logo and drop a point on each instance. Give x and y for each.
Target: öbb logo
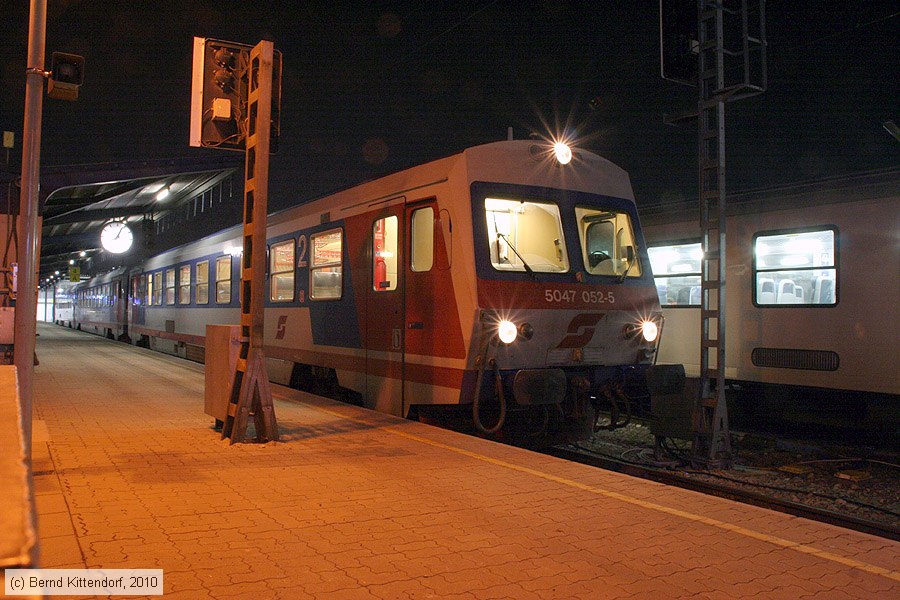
(282, 326)
(581, 330)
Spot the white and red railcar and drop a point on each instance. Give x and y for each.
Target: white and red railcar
(499, 277)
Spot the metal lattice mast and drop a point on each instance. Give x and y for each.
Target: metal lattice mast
(711, 443)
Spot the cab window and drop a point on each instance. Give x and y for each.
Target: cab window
(607, 242)
(525, 235)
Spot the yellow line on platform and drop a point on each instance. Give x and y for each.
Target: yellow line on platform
(764, 537)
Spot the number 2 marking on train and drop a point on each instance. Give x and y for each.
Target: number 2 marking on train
(302, 248)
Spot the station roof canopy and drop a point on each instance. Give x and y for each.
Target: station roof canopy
(77, 201)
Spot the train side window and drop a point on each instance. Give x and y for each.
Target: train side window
(326, 270)
(676, 271)
(422, 240)
(184, 284)
(223, 279)
(281, 269)
(607, 242)
(202, 292)
(170, 286)
(384, 254)
(795, 267)
(157, 289)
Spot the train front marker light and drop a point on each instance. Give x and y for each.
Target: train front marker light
(507, 331)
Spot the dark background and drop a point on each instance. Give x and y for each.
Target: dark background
(373, 87)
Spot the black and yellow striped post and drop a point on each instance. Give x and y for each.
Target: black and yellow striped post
(252, 394)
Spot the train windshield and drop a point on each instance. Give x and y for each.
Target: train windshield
(607, 242)
(525, 235)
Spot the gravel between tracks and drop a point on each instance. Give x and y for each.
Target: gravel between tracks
(855, 481)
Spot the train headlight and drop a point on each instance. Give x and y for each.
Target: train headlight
(507, 331)
(562, 152)
(649, 330)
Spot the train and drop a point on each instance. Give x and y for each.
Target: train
(507, 286)
(812, 294)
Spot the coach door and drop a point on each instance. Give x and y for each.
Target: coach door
(432, 335)
(384, 312)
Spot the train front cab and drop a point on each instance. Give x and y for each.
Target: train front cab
(568, 320)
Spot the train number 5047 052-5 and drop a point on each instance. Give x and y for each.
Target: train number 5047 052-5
(586, 296)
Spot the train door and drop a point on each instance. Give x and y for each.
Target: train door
(384, 312)
(432, 332)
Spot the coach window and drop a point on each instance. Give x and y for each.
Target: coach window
(202, 291)
(384, 254)
(676, 270)
(170, 286)
(525, 235)
(281, 270)
(607, 242)
(422, 240)
(157, 288)
(325, 272)
(223, 279)
(798, 267)
(184, 284)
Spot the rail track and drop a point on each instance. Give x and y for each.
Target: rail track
(669, 477)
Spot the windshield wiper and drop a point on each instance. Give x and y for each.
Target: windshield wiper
(524, 264)
(630, 258)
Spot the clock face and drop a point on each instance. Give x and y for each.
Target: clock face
(116, 237)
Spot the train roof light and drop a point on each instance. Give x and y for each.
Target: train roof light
(562, 152)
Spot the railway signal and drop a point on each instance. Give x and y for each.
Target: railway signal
(219, 95)
(66, 76)
(235, 100)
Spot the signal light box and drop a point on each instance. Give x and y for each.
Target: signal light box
(219, 88)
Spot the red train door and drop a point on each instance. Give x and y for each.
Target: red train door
(433, 335)
(384, 312)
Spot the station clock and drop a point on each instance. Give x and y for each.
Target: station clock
(116, 237)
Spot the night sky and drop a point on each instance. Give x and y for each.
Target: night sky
(373, 87)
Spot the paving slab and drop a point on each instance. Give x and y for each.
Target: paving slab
(356, 504)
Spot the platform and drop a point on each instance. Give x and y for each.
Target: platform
(352, 504)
